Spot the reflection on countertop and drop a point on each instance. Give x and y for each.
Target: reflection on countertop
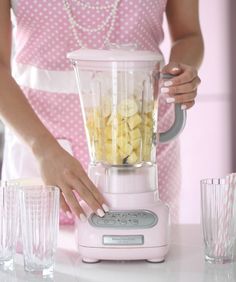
(185, 263)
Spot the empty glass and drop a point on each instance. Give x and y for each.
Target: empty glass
(40, 223)
(9, 218)
(218, 219)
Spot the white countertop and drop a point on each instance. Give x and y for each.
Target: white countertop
(185, 263)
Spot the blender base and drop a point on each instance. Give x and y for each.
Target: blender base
(90, 261)
(155, 260)
(98, 240)
(155, 255)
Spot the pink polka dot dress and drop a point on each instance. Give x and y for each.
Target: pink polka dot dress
(43, 37)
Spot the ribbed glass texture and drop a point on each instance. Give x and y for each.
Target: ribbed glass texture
(218, 206)
(40, 223)
(9, 218)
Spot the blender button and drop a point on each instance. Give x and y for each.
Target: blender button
(123, 222)
(130, 223)
(135, 221)
(99, 221)
(111, 222)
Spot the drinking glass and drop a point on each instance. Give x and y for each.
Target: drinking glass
(218, 207)
(39, 206)
(9, 218)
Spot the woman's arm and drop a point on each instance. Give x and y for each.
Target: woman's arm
(14, 107)
(185, 31)
(186, 52)
(57, 166)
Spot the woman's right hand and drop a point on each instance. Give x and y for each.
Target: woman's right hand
(59, 168)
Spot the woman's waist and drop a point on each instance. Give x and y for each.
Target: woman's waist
(45, 80)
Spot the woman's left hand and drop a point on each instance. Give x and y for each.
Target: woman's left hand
(183, 87)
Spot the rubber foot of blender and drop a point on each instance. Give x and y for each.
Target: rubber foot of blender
(90, 260)
(157, 260)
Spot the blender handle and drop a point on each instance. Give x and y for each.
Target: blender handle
(179, 123)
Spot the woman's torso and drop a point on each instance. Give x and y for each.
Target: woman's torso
(44, 34)
(43, 37)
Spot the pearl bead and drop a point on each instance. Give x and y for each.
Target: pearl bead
(110, 18)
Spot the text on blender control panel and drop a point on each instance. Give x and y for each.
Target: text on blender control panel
(125, 219)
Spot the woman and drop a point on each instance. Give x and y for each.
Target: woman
(38, 101)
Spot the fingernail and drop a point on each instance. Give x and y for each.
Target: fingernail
(175, 69)
(69, 215)
(164, 90)
(100, 212)
(82, 217)
(170, 100)
(168, 83)
(105, 207)
(183, 107)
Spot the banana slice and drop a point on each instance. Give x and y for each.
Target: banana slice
(134, 121)
(113, 120)
(128, 108)
(136, 143)
(148, 121)
(148, 106)
(114, 159)
(133, 158)
(135, 134)
(106, 106)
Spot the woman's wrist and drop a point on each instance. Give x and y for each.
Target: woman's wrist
(44, 145)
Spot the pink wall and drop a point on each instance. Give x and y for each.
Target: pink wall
(206, 141)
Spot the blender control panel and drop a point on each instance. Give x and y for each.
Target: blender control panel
(137, 219)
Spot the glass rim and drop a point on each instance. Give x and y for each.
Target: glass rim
(25, 181)
(5, 184)
(37, 188)
(214, 181)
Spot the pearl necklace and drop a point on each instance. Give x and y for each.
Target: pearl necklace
(110, 18)
(96, 7)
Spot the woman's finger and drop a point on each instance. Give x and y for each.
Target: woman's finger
(84, 193)
(63, 204)
(183, 88)
(73, 202)
(188, 105)
(186, 76)
(183, 98)
(93, 189)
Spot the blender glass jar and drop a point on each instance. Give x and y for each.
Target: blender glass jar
(119, 97)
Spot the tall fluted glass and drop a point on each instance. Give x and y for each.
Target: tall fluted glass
(9, 218)
(40, 223)
(218, 204)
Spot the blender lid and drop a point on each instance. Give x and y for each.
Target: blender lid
(114, 55)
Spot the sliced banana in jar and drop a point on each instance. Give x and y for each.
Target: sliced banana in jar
(128, 108)
(106, 106)
(148, 106)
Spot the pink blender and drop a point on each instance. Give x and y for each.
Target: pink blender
(118, 91)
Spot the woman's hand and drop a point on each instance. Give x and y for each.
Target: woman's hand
(59, 168)
(183, 87)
